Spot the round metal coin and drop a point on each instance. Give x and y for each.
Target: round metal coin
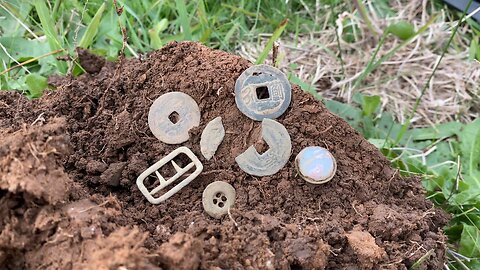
(172, 115)
(217, 198)
(262, 91)
(316, 165)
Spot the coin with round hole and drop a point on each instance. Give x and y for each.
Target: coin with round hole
(217, 198)
(262, 91)
(172, 115)
(316, 164)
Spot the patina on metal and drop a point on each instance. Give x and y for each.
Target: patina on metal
(270, 162)
(262, 91)
(172, 115)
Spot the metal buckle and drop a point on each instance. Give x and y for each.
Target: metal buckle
(165, 182)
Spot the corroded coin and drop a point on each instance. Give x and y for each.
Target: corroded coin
(277, 155)
(262, 91)
(172, 115)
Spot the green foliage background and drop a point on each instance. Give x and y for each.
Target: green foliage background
(447, 156)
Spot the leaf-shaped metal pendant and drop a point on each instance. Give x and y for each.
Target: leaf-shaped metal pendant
(212, 137)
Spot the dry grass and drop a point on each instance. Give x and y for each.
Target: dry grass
(453, 93)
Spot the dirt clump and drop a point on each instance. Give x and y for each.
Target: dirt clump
(278, 222)
(181, 252)
(364, 246)
(29, 163)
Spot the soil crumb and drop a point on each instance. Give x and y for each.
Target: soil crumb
(364, 246)
(69, 161)
(181, 252)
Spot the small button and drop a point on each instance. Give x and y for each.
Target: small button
(316, 165)
(172, 115)
(262, 91)
(217, 198)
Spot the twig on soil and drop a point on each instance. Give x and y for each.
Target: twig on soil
(393, 176)
(325, 130)
(110, 199)
(410, 253)
(39, 118)
(274, 54)
(82, 251)
(337, 250)
(355, 209)
(231, 218)
(431, 211)
(33, 151)
(219, 90)
(326, 145)
(121, 58)
(205, 94)
(4, 104)
(58, 237)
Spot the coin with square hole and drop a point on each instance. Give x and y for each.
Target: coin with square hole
(280, 146)
(262, 91)
(172, 115)
(217, 198)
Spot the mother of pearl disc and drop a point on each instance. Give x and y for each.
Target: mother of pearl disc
(316, 164)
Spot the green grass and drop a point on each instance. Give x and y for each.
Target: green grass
(149, 24)
(447, 156)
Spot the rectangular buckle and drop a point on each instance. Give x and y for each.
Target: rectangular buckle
(165, 182)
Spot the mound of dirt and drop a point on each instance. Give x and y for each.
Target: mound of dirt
(70, 160)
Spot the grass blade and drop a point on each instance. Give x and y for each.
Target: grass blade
(154, 34)
(339, 47)
(276, 34)
(420, 261)
(49, 29)
(247, 13)
(184, 21)
(7, 8)
(29, 61)
(363, 12)
(92, 29)
(371, 66)
(406, 125)
(470, 146)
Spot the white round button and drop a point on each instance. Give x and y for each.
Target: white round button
(217, 198)
(316, 164)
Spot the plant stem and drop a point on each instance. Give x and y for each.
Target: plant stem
(407, 123)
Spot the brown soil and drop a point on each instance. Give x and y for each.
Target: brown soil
(69, 161)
